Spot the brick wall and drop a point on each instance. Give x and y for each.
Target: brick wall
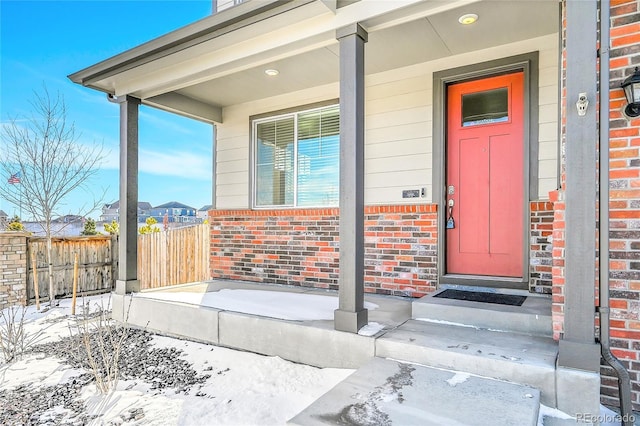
(540, 255)
(624, 202)
(557, 261)
(301, 247)
(557, 198)
(13, 269)
(295, 247)
(401, 249)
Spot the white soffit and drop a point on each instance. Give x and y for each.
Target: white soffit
(499, 22)
(309, 69)
(417, 41)
(307, 23)
(301, 45)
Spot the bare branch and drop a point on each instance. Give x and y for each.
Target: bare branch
(44, 149)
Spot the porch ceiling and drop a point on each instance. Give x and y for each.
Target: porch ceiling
(300, 44)
(413, 42)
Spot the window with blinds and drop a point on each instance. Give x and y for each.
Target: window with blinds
(297, 159)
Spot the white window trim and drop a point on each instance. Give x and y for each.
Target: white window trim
(253, 149)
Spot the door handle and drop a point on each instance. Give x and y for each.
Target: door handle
(451, 223)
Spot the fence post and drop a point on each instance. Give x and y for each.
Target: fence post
(36, 288)
(75, 283)
(114, 260)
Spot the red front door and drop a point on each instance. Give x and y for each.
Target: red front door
(485, 177)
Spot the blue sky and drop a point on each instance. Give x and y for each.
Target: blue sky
(41, 42)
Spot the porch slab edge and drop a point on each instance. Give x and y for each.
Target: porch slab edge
(295, 342)
(167, 318)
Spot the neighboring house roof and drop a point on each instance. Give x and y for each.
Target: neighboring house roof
(173, 205)
(3, 214)
(142, 205)
(68, 218)
(205, 208)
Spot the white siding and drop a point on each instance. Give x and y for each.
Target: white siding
(548, 116)
(226, 4)
(398, 122)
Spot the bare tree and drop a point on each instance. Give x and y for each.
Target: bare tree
(44, 162)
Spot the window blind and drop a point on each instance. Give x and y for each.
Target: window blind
(297, 160)
(275, 167)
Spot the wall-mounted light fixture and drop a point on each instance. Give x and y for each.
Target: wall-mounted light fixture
(631, 87)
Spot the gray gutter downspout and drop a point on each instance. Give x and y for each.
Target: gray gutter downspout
(624, 380)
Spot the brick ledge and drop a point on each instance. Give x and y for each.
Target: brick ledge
(372, 209)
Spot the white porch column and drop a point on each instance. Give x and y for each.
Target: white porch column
(127, 281)
(351, 314)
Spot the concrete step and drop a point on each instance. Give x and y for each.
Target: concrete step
(533, 317)
(513, 357)
(388, 392)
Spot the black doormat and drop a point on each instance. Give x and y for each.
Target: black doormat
(484, 297)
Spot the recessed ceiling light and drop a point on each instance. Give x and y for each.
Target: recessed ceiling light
(271, 72)
(468, 19)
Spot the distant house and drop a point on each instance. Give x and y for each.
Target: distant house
(203, 211)
(176, 213)
(63, 226)
(4, 217)
(111, 212)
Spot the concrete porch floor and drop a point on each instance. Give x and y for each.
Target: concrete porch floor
(516, 357)
(392, 311)
(312, 342)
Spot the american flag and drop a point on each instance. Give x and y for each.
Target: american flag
(15, 178)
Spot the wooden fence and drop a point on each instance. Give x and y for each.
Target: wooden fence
(96, 264)
(174, 257)
(168, 258)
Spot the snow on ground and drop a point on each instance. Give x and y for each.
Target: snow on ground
(273, 304)
(371, 329)
(244, 388)
(47, 371)
(458, 378)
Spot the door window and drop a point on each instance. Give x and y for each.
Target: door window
(487, 107)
